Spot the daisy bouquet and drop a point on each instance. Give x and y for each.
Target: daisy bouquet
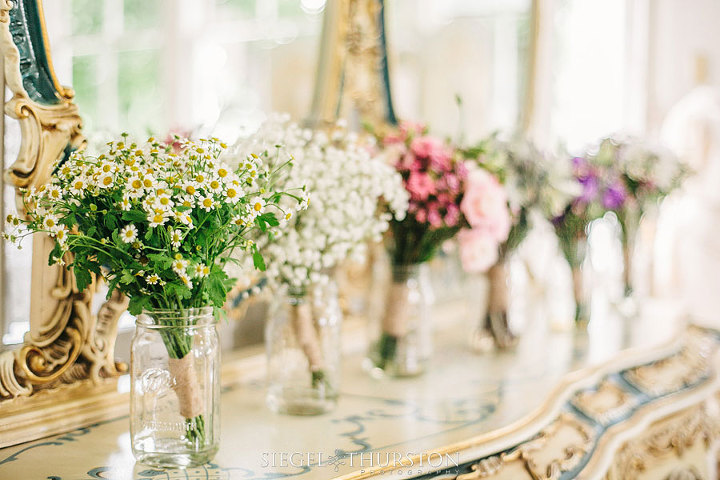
(351, 198)
(448, 197)
(157, 223)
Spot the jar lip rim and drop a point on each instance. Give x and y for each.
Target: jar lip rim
(187, 316)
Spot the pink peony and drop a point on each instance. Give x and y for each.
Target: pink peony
(485, 205)
(420, 186)
(478, 251)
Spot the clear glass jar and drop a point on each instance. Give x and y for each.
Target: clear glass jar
(402, 344)
(175, 388)
(302, 337)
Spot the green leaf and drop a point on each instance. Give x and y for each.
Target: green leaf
(162, 261)
(258, 260)
(133, 216)
(55, 253)
(126, 277)
(82, 277)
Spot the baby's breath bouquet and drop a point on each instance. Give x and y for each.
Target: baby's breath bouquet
(158, 223)
(353, 197)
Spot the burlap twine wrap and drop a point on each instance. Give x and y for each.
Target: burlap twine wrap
(498, 288)
(395, 319)
(302, 322)
(186, 386)
(577, 279)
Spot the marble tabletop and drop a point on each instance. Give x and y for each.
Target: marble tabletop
(377, 421)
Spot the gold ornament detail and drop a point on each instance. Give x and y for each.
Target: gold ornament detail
(67, 342)
(559, 448)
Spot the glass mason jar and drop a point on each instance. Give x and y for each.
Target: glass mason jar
(578, 251)
(175, 388)
(402, 344)
(302, 338)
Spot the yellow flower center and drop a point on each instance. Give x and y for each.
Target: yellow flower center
(164, 200)
(136, 183)
(50, 222)
(214, 184)
(158, 218)
(190, 190)
(222, 173)
(207, 202)
(129, 234)
(257, 206)
(200, 178)
(106, 168)
(148, 183)
(231, 193)
(107, 180)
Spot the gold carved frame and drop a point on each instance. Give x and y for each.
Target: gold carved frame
(68, 353)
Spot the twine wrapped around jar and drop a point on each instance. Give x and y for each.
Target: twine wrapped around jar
(306, 334)
(395, 317)
(186, 386)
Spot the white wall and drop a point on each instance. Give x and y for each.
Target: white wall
(680, 30)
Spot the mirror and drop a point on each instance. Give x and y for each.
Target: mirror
(487, 70)
(168, 66)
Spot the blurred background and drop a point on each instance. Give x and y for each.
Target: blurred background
(569, 72)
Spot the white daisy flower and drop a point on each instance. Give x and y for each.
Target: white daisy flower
(186, 280)
(77, 186)
(50, 222)
(60, 234)
(233, 194)
(134, 187)
(179, 266)
(106, 180)
(184, 218)
(206, 203)
(257, 205)
(175, 238)
(125, 204)
(128, 234)
(54, 193)
(215, 185)
(152, 279)
(149, 181)
(201, 270)
(156, 218)
(163, 202)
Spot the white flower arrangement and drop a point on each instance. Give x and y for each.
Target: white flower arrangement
(345, 186)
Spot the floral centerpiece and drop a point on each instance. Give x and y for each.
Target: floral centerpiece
(446, 199)
(532, 182)
(600, 189)
(353, 197)
(156, 222)
(648, 173)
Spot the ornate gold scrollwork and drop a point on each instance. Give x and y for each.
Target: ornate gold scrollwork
(662, 452)
(66, 342)
(559, 448)
(352, 71)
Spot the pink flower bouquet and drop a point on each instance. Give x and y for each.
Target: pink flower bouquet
(446, 199)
